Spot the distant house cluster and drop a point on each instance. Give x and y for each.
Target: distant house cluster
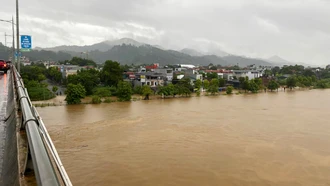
(67, 70)
(155, 75)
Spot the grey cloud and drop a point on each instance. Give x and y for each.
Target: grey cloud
(297, 29)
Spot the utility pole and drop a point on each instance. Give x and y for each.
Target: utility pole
(18, 39)
(13, 30)
(5, 39)
(6, 35)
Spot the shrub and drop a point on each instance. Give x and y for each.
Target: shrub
(229, 90)
(324, 83)
(102, 92)
(96, 100)
(137, 90)
(113, 90)
(108, 100)
(40, 93)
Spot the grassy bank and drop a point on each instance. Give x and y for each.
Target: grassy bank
(60, 100)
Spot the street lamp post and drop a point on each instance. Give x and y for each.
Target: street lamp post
(17, 40)
(12, 27)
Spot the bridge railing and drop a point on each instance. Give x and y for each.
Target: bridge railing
(47, 165)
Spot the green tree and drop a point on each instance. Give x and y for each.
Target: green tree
(73, 79)
(82, 62)
(246, 84)
(198, 86)
(111, 73)
(137, 90)
(253, 86)
(206, 84)
(276, 70)
(323, 83)
(41, 77)
(213, 68)
(291, 82)
(87, 78)
(304, 81)
(222, 82)
(146, 91)
(171, 90)
(281, 82)
(229, 90)
(38, 91)
(241, 82)
(35, 73)
(211, 76)
(214, 87)
(102, 92)
(125, 67)
(124, 91)
(308, 73)
(55, 89)
(168, 90)
(54, 74)
(267, 73)
(273, 85)
(183, 87)
(74, 94)
(258, 81)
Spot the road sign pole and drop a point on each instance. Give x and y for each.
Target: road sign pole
(17, 35)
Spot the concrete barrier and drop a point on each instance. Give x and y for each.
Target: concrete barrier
(9, 172)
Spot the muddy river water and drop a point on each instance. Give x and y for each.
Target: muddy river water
(266, 139)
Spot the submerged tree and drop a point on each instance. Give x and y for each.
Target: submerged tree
(124, 91)
(75, 93)
(146, 91)
(214, 87)
(273, 85)
(198, 86)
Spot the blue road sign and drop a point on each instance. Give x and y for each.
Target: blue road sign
(26, 42)
(19, 54)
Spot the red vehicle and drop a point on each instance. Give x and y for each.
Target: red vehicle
(4, 66)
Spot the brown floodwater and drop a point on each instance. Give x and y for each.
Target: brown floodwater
(266, 139)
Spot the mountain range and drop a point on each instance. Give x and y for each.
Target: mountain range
(129, 51)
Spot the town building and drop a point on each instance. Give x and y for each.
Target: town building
(251, 74)
(168, 71)
(152, 79)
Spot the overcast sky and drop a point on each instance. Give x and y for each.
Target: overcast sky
(297, 30)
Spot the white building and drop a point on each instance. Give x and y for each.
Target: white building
(251, 74)
(187, 66)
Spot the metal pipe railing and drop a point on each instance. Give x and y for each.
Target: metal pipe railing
(42, 164)
(43, 168)
(52, 149)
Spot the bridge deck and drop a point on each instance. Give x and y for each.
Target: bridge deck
(3, 104)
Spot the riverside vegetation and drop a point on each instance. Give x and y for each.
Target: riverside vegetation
(103, 84)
